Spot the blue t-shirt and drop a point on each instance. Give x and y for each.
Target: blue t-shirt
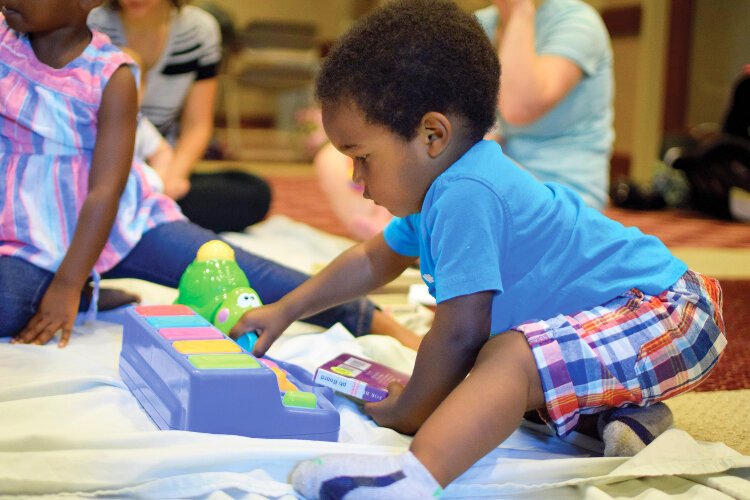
(571, 144)
(487, 224)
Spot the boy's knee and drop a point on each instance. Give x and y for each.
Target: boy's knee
(511, 346)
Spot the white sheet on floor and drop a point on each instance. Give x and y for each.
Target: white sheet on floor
(69, 426)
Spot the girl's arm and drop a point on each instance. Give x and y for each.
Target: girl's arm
(110, 167)
(531, 84)
(446, 354)
(196, 128)
(359, 270)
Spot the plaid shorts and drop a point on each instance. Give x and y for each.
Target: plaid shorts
(635, 350)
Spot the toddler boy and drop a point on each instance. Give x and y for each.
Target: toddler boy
(545, 304)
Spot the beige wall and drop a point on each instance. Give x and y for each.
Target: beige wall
(637, 63)
(626, 77)
(332, 17)
(639, 85)
(721, 46)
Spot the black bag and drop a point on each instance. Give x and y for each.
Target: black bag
(717, 169)
(713, 170)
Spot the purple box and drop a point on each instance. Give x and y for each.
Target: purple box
(187, 377)
(358, 378)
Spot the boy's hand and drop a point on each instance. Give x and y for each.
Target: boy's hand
(268, 322)
(386, 412)
(56, 312)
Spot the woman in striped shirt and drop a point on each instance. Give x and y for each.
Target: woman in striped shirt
(180, 51)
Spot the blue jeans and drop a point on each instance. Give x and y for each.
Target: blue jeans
(161, 257)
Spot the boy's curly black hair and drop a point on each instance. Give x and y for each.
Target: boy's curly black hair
(410, 57)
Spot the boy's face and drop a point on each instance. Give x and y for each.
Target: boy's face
(387, 167)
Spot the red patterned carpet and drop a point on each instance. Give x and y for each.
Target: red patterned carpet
(683, 228)
(300, 198)
(733, 370)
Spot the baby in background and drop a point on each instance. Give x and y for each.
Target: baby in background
(550, 308)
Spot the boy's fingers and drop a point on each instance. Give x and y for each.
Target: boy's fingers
(240, 328)
(395, 388)
(371, 408)
(262, 344)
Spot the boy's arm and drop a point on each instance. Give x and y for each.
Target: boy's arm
(447, 353)
(110, 167)
(359, 270)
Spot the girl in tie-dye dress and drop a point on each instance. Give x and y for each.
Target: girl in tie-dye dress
(74, 206)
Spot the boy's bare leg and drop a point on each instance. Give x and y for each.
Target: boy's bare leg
(382, 324)
(483, 410)
(477, 416)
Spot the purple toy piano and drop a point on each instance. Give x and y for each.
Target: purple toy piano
(189, 376)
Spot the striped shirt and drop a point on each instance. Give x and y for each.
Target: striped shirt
(48, 128)
(192, 52)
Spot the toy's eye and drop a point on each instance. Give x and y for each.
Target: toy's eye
(248, 300)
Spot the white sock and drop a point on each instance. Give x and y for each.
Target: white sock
(626, 431)
(362, 477)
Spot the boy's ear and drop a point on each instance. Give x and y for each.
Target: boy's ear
(436, 130)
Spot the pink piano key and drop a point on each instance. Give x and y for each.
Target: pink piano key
(191, 333)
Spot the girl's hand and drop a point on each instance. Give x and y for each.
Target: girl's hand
(56, 312)
(268, 322)
(386, 412)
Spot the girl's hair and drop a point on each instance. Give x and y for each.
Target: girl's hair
(115, 4)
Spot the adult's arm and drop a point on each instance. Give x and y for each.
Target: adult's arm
(531, 83)
(196, 128)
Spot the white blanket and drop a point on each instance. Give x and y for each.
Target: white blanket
(70, 427)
